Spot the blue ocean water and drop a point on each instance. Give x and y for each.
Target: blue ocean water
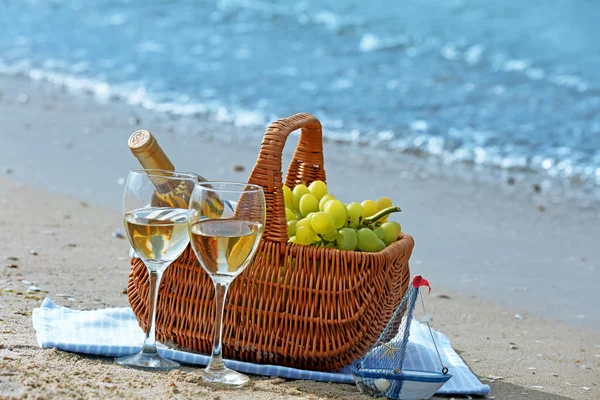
(509, 84)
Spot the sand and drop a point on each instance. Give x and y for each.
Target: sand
(488, 251)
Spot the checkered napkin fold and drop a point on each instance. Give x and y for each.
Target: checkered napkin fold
(114, 332)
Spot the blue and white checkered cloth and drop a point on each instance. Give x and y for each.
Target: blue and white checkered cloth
(114, 332)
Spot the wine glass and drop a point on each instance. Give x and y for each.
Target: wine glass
(226, 222)
(155, 206)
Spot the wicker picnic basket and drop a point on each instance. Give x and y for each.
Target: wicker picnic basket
(297, 306)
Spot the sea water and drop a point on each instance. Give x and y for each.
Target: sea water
(509, 84)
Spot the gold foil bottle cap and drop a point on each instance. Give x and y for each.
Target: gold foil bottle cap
(146, 149)
(141, 142)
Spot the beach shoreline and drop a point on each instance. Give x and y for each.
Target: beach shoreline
(509, 244)
(495, 250)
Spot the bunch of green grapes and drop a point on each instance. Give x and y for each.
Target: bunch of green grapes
(315, 217)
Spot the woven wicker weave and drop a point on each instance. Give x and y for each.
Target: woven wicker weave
(297, 306)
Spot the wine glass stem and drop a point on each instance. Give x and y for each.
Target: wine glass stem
(150, 340)
(216, 359)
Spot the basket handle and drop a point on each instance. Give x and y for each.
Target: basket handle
(306, 166)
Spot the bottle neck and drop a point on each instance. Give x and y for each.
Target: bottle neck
(145, 148)
(154, 159)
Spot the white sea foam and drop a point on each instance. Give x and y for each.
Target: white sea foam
(136, 96)
(369, 42)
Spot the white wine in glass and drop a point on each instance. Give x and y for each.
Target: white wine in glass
(158, 234)
(155, 205)
(224, 246)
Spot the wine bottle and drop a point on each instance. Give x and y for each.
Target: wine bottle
(146, 149)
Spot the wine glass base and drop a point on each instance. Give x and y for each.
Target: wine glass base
(224, 377)
(147, 361)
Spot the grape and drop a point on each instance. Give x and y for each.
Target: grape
(391, 230)
(289, 214)
(369, 208)
(380, 245)
(318, 189)
(354, 211)
(346, 239)
(322, 223)
(336, 209)
(308, 204)
(291, 228)
(330, 246)
(383, 203)
(287, 197)
(324, 201)
(304, 236)
(367, 240)
(292, 239)
(379, 233)
(299, 191)
(330, 236)
(304, 222)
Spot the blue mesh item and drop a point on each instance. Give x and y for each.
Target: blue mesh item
(380, 374)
